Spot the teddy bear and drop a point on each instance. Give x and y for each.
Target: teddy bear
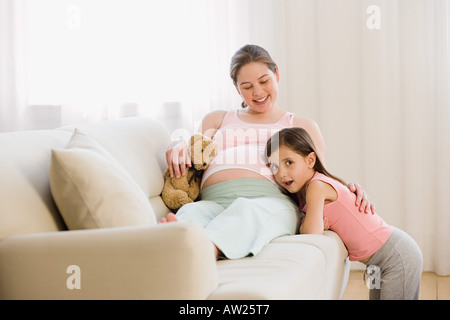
(185, 189)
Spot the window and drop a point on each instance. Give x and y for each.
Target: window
(103, 59)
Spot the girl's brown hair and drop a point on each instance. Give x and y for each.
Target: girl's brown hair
(299, 141)
(246, 54)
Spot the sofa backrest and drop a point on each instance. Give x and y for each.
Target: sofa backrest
(26, 203)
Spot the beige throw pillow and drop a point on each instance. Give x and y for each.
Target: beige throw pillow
(92, 190)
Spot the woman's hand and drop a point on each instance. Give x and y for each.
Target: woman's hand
(362, 199)
(177, 157)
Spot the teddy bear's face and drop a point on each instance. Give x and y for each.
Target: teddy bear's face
(203, 150)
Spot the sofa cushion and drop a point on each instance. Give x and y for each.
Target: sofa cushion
(139, 144)
(290, 267)
(279, 271)
(26, 204)
(92, 190)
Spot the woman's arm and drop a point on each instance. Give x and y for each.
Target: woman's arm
(316, 135)
(211, 123)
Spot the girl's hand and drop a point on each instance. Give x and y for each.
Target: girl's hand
(177, 157)
(362, 199)
(326, 224)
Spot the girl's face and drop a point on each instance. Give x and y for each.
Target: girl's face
(292, 170)
(258, 86)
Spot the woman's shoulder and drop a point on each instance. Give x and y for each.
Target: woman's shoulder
(303, 122)
(314, 131)
(215, 115)
(212, 121)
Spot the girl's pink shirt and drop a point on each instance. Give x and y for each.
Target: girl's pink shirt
(363, 234)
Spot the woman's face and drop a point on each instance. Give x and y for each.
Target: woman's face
(258, 86)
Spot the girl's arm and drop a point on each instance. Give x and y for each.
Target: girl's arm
(315, 199)
(318, 193)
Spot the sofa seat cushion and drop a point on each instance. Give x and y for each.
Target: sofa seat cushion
(279, 271)
(337, 264)
(92, 190)
(290, 267)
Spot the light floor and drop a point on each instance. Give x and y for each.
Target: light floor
(432, 287)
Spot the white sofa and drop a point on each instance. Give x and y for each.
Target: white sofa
(149, 261)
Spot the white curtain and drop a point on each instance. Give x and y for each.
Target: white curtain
(374, 74)
(13, 85)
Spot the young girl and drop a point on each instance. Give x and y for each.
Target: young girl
(392, 256)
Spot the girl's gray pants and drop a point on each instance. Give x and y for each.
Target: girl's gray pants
(394, 271)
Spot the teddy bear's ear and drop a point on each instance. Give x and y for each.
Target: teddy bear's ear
(211, 149)
(206, 139)
(196, 149)
(197, 137)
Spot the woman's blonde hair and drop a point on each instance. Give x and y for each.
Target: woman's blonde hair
(246, 54)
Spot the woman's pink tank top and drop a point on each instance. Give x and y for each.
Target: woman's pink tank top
(363, 234)
(242, 144)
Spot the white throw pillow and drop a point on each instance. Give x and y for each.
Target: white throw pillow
(92, 190)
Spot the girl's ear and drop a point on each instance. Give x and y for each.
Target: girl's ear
(311, 159)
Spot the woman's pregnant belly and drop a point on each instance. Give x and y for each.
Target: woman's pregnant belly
(231, 174)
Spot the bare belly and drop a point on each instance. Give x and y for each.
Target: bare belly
(231, 174)
(365, 260)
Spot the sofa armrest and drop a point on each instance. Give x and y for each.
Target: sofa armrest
(168, 261)
(328, 241)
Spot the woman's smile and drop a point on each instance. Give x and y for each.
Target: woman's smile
(261, 102)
